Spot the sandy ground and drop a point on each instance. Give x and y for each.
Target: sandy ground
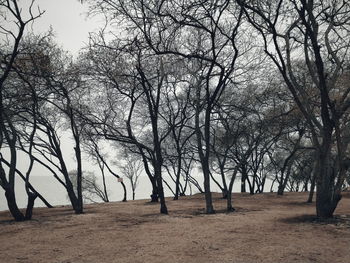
(265, 228)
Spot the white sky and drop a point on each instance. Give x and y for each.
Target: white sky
(69, 21)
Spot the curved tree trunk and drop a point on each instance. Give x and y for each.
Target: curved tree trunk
(313, 183)
(30, 205)
(12, 205)
(224, 189)
(284, 180)
(229, 207)
(10, 196)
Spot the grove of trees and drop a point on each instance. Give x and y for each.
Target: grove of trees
(243, 91)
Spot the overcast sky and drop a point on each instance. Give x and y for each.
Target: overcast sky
(71, 26)
(69, 21)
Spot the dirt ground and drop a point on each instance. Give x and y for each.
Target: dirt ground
(264, 228)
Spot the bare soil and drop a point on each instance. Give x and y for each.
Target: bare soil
(264, 228)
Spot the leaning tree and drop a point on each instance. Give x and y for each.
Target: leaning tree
(14, 20)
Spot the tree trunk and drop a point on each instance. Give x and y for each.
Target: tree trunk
(104, 186)
(203, 150)
(284, 180)
(124, 189)
(30, 206)
(306, 186)
(158, 170)
(177, 183)
(224, 194)
(29, 185)
(312, 188)
(229, 204)
(12, 205)
(251, 186)
(263, 184)
(229, 207)
(72, 197)
(325, 202)
(272, 184)
(208, 198)
(243, 180)
(154, 196)
(79, 209)
(48, 205)
(10, 196)
(224, 189)
(326, 198)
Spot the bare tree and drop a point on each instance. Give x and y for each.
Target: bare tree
(91, 189)
(132, 170)
(58, 98)
(178, 114)
(318, 32)
(11, 13)
(140, 84)
(212, 50)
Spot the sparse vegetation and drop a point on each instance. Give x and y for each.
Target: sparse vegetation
(244, 91)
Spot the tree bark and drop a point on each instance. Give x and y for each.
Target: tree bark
(229, 207)
(12, 205)
(313, 182)
(284, 180)
(178, 173)
(243, 180)
(224, 188)
(326, 198)
(30, 206)
(10, 196)
(158, 170)
(208, 197)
